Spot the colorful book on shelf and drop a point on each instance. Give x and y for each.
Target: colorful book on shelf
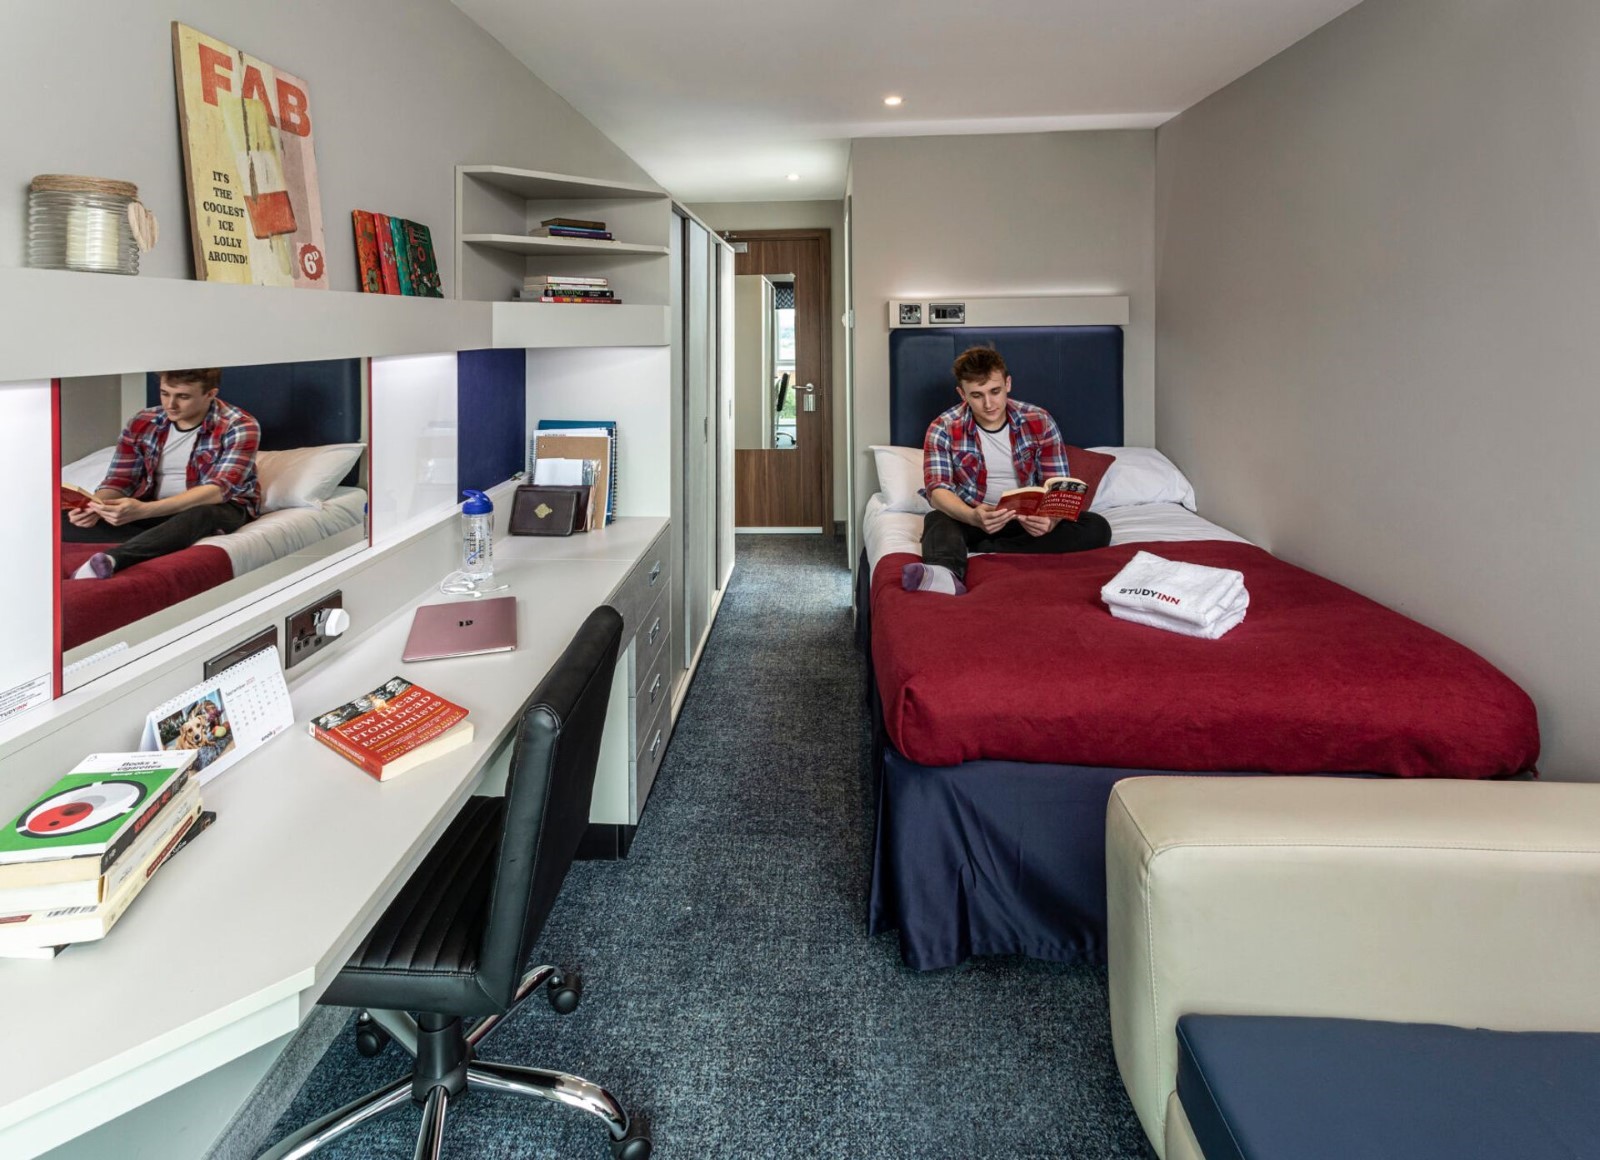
(87, 819)
(369, 267)
(386, 259)
(74, 498)
(567, 280)
(574, 223)
(580, 300)
(424, 267)
(572, 426)
(15, 899)
(42, 933)
(394, 728)
(402, 254)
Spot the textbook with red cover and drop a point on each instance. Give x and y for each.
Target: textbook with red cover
(393, 728)
(74, 498)
(1059, 497)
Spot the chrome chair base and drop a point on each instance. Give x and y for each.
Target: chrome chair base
(627, 1142)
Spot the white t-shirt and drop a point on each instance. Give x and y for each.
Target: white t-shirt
(173, 470)
(1000, 470)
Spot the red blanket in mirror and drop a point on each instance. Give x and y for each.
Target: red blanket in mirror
(92, 608)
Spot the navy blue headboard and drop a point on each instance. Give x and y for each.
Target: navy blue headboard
(298, 404)
(1074, 372)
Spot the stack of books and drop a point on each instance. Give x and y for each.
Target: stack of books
(561, 227)
(567, 288)
(73, 862)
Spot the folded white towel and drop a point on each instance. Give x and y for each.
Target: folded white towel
(1156, 620)
(1189, 598)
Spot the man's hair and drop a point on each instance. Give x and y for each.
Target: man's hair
(206, 378)
(977, 363)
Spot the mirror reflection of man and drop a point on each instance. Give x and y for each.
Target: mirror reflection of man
(182, 471)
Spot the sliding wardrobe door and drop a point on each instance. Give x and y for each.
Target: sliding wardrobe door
(699, 497)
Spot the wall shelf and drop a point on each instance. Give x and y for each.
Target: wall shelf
(537, 186)
(554, 247)
(566, 324)
(61, 323)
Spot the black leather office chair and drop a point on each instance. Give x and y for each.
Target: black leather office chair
(451, 945)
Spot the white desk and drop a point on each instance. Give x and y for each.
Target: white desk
(232, 944)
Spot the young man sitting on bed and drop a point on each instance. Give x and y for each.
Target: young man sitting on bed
(182, 471)
(985, 445)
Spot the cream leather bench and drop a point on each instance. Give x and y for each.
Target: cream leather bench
(1469, 904)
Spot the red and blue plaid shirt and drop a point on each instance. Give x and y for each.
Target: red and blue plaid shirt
(224, 455)
(952, 456)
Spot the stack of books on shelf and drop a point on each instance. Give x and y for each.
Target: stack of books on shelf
(73, 862)
(562, 227)
(567, 288)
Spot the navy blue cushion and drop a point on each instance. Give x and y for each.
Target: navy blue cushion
(1268, 1088)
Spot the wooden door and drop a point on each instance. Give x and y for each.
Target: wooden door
(793, 488)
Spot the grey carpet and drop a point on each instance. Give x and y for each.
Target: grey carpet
(731, 992)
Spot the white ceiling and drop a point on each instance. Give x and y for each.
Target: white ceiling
(719, 100)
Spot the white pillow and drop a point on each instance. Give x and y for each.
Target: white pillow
(900, 479)
(1141, 475)
(303, 477)
(90, 470)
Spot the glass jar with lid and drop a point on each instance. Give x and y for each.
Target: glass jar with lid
(83, 223)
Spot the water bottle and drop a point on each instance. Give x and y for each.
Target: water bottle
(477, 537)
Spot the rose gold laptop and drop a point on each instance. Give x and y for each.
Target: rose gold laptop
(462, 629)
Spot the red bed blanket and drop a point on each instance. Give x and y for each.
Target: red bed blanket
(1029, 665)
(92, 608)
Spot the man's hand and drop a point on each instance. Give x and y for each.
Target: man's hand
(83, 517)
(991, 519)
(1038, 525)
(116, 512)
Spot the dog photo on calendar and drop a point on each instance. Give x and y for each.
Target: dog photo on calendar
(202, 725)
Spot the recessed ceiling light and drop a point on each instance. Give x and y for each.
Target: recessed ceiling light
(794, 177)
(891, 101)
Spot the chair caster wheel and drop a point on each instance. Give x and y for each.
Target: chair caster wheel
(564, 992)
(370, 1038)
(634, 1146)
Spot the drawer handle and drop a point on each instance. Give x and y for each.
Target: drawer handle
(654, 745)
(655, 687)
(655, 574)
(655, 628)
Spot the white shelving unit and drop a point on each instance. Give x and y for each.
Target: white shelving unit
(496, 206)
(60, 323)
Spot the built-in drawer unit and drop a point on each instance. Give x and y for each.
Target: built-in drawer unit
(637, 593)
(652, 748)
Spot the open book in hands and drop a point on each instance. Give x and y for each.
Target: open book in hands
(74, 498)
(1059, 497)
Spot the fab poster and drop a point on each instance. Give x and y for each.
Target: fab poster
(255, 212)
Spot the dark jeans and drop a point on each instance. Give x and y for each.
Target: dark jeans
(947, 541)
(146, 539)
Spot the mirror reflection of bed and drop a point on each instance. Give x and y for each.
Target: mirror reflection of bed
(312, 466)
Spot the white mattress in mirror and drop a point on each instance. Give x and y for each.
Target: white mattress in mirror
(885, 532)
(274, 535)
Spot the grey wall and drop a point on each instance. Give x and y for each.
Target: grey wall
(401, 91)
(802, 215)
(1378, 279)
(91, 414)
(1022, 214)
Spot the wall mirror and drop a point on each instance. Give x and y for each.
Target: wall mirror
(311, 472)
(766, 393)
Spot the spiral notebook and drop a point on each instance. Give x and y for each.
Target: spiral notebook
(232, 714)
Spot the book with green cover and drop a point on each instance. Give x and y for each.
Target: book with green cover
(98, 809)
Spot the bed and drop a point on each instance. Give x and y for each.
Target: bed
(311, 416)
(991, 805)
